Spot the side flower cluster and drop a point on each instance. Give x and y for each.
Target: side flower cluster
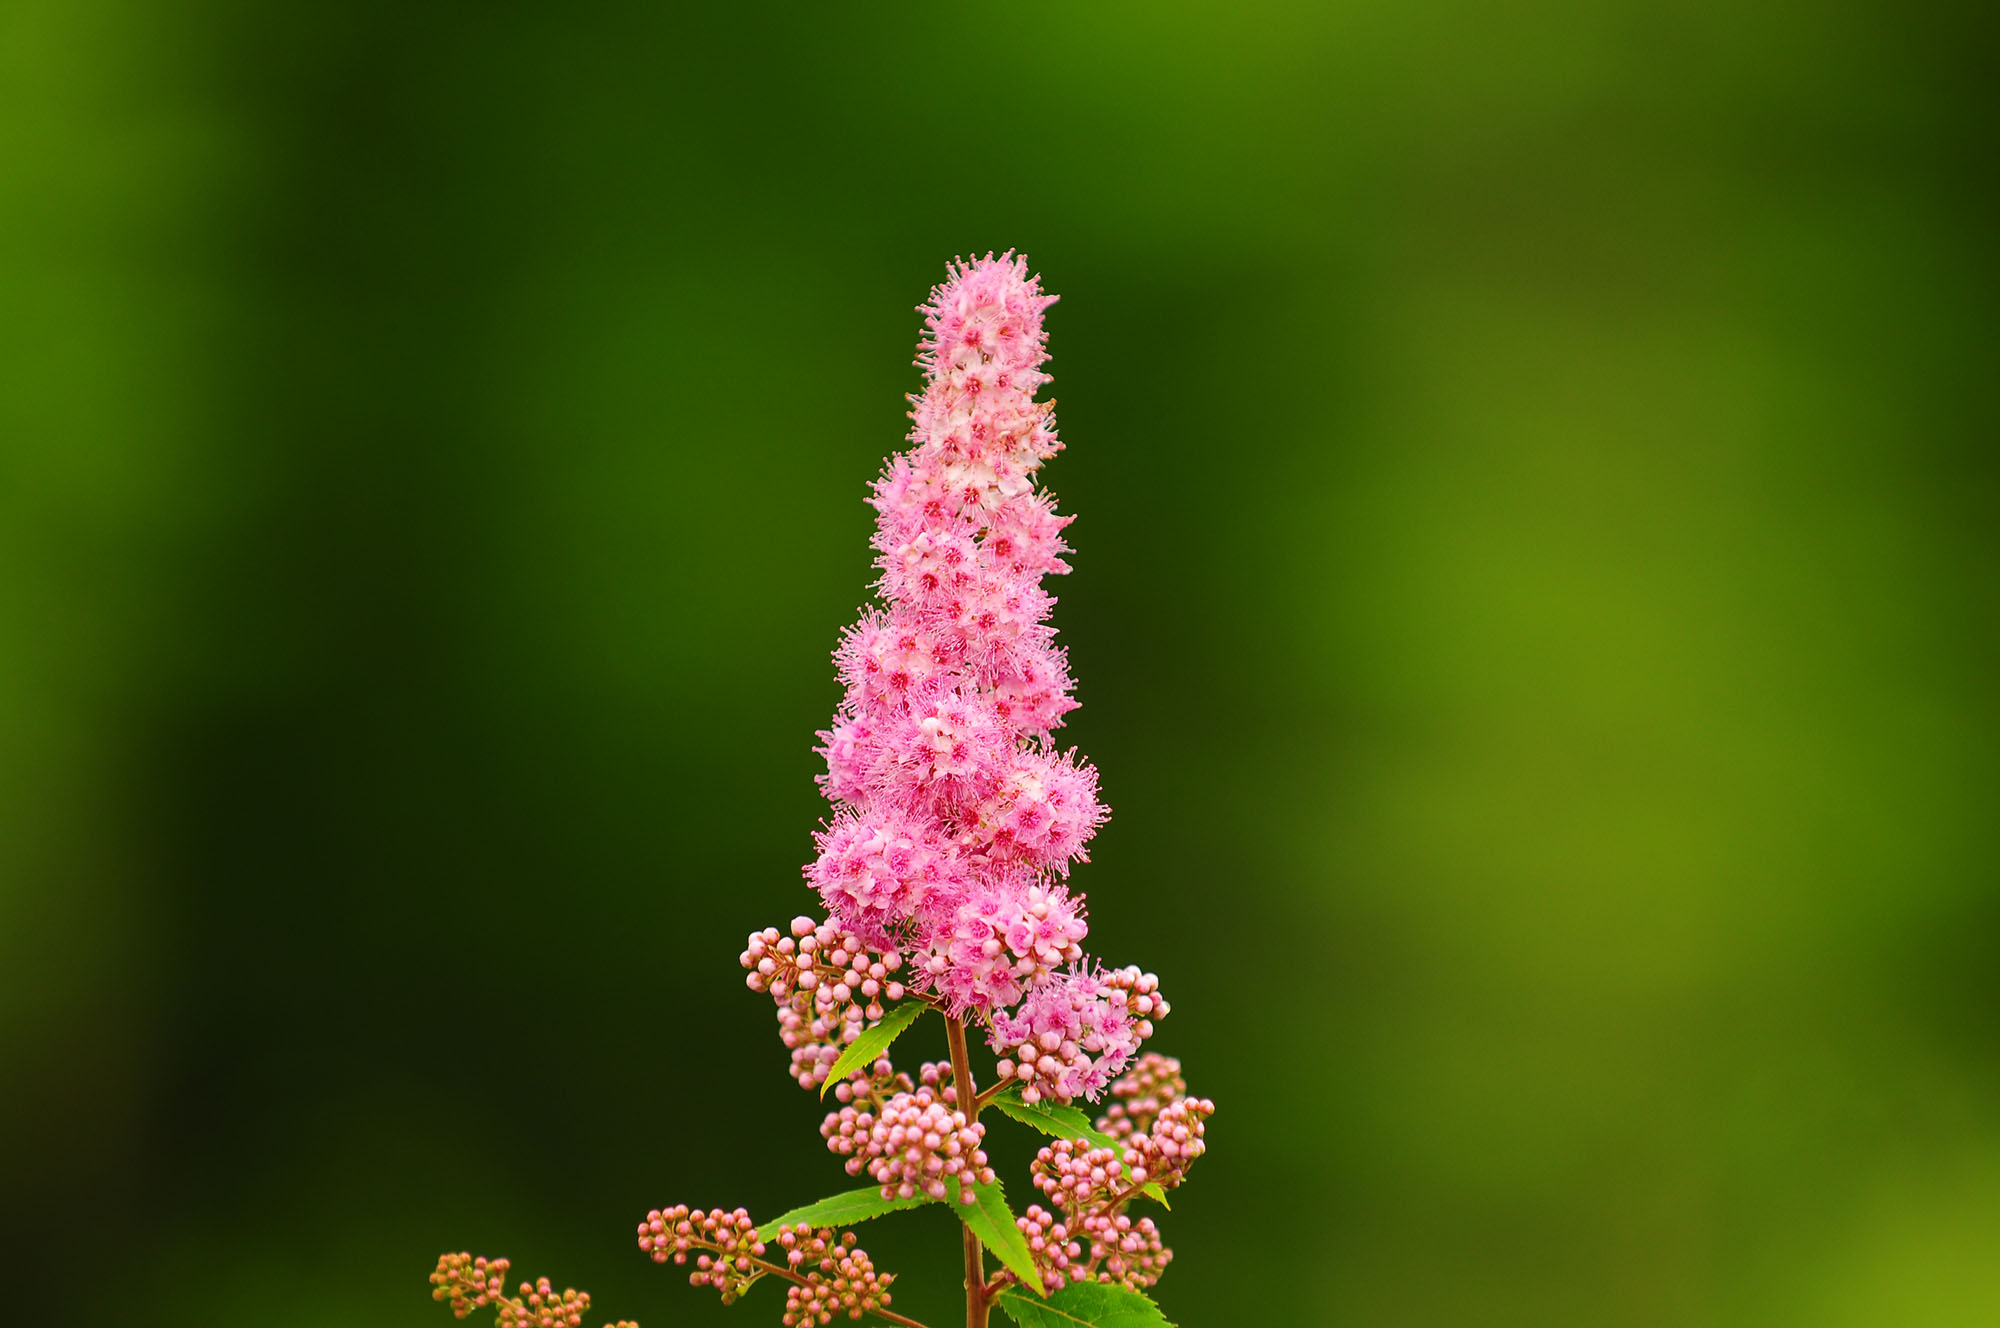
(725, 1246)
(915, 1142)
(841, 1278)
(1069, 1036)
(1141, 1094)
(828, 1273)
(827, 985)
(1159, 1134)
(468, 1283)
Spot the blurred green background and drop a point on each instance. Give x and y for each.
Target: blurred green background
(1535, 613)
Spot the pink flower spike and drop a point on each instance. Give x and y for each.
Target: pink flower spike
(954, 815)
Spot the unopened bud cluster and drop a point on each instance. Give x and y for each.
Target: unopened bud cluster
(724, 1245)
(842, 1278)
(1158, 1131)
(1126, 1251)
(1091, 1186)
(913, 1144)
(1163, 1154)
(827, 985)
(1049, 1245)
(470, 1283)
(1138, 1095)
(1076, 1177)
(541, 1307)
(828, 1273)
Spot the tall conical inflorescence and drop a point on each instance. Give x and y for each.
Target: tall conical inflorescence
(956, 819)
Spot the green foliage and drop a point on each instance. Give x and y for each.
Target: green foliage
(1084, 1305)
(873, 1042)
(1054, 1121)
(842, 1210)
(993, 1222)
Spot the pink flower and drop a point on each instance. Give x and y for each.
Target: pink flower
(952, 811)
(1071, 1035)
(955, 818)
(1007, 937)
(876, 873)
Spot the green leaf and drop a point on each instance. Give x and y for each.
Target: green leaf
(992, 1221)
(1068, 1123)
(873, 1042)
(842, 1210)
(1054, 1121)
(1084, 1305)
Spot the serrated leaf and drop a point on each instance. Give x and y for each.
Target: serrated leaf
(993, 1222)
(1068, 1123)
(1084, 1305)
(842, 1210)
(1054, 1121)
(873, 1042)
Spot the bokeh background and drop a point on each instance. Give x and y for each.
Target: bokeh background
(1535, 612)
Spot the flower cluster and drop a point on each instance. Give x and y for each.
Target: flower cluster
(1157, 1132)
(1125, 1251)
(725, 1245)
(828, 1273)
(543, 1308)
(955, 818)
(1077, 1177)
(826, 984)
(914, 1143)
(1049, 1245)
(1140, 1093)
(1005, 938)
(1163, 1154)
(1069, 1036)
(470, 1283)
(1091, 1186)
(842, 1278)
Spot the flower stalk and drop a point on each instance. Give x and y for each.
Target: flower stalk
(944, 872)
(978, 1299)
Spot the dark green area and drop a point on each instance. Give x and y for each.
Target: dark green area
(1535, 613)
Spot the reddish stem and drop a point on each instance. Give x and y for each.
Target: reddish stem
(976, 1302)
